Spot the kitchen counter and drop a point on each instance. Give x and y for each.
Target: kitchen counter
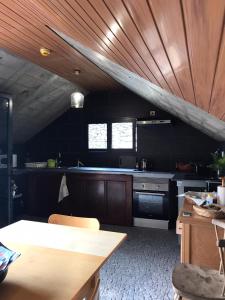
(134, 172)
(77, 170)
(176, 176)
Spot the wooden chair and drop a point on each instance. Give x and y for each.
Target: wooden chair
(90, 223)
(197, 283)
(95, 293)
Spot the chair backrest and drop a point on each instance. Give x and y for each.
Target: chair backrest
(95, 294)
(90, 223)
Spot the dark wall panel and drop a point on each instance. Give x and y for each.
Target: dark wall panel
(163, 145)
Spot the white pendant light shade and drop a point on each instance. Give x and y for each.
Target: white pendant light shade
(77, 100)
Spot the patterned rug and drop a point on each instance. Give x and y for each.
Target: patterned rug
(141, 268)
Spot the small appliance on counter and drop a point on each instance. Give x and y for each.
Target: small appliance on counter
(143, 165)
(127, 161)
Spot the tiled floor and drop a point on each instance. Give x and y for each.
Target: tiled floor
(141, 268)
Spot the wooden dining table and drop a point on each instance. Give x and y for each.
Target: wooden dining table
(57, 262)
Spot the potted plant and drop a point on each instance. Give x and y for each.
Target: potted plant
(218, 164)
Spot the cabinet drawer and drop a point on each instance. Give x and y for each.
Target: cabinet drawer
(179, 227)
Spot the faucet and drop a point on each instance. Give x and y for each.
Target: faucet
(80, 164)
(195, 165)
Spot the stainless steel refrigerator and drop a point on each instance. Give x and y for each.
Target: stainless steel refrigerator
(5, 159)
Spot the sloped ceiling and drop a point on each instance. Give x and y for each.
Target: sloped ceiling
(186, 111)
(177, 45)
(39, 95)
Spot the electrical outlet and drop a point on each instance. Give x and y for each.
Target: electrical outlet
(152, 113)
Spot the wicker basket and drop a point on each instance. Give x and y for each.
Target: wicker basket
(210, 213)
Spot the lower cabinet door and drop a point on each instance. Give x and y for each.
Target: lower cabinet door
(103, 196)
(95, 199)
(42, 196)
(119, 202)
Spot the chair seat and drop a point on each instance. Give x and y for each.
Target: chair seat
(196, 283)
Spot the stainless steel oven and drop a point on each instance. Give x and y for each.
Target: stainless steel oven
(151, 199)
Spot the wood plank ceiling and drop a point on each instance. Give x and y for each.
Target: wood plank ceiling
(178, 45)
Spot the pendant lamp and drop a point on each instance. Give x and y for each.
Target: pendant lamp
(77, 100)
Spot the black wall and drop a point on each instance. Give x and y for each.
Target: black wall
(163, 145)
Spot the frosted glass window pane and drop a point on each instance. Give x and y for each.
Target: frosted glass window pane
(97, 136)
(122, 135)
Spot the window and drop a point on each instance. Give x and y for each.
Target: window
(122, 135)
(97, 136)
(112, 135)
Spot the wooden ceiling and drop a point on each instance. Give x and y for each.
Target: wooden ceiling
(23, 32)
(178, 45)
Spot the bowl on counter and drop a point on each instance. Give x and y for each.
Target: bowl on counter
(184, 167)
(36, 164)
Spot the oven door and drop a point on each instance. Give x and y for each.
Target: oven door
(151, 205)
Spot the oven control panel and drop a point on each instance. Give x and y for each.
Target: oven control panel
(148, 186)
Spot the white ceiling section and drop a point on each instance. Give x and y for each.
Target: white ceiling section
(184, 110)
(39, 95)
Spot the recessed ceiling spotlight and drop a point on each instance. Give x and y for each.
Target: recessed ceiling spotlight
(45, 51)
(76, 72)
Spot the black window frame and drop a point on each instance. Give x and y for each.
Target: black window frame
(133, 136)
(97, 149)
(109, 135)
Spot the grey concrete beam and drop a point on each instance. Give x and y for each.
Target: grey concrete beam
(39, 95)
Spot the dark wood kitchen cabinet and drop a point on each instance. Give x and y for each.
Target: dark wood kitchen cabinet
(87, 196)
(104, 196)
(42, 194)
(117, 205)
(107, 197)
